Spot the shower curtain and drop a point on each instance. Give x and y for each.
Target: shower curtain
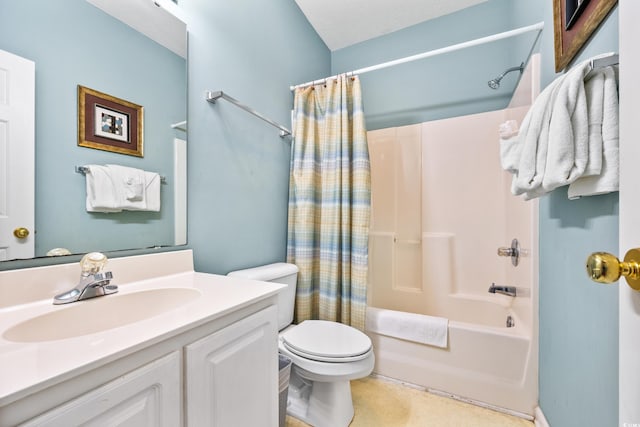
(329, 202)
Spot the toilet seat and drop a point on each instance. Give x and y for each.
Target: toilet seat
(326, 341)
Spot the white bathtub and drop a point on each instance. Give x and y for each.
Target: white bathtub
(485, 361)
(441, 206)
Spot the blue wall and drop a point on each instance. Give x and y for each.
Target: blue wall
(238, 165)
(578, 319)
(72, 43)
(448, 85)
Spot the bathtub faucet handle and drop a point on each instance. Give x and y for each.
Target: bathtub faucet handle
(513, 252)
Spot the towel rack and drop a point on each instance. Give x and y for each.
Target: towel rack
(211, 97)
(180, 126)
(85, 170)
(604, 61)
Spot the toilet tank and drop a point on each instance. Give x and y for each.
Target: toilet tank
(279, 272)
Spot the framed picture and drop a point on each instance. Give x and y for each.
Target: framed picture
(574, 21)
(109, 123)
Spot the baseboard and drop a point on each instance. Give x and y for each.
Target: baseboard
(540, 420)
(456, 397)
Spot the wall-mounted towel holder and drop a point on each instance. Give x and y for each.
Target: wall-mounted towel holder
(213, 96)
(85, 170)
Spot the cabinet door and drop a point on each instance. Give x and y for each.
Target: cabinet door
(148, 396)
(232, 374)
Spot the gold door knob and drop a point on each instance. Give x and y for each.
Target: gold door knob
(21, 233)
(603, 267)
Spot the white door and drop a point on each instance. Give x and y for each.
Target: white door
(629, 12)
(17, 121)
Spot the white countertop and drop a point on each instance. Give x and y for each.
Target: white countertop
(28, 367)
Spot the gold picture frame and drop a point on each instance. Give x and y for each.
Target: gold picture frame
(109, 123)
(571, 34)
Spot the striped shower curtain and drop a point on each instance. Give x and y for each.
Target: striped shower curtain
(329, 202)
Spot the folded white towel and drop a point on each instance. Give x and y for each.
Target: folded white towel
(419, 328)
(152, 191)
(114, 188)
(130, 184)
(594, 88)
(508, 129)
(609, 178)
(101, 191)
(509, 147)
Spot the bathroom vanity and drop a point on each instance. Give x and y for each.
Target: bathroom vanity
(173, 347)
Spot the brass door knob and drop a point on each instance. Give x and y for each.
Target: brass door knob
(21, 233)
(603, 267)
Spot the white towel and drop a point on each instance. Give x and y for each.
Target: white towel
(609, 178)
(568, 149)
(130, 185)
(152, 191)
(534, 138)
(101, 191)
(594, 88)
(419, 328)
(558, 145)
(114, 188)
(509, 147)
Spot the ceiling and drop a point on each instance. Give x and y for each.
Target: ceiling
(155, 19)
(341, 23)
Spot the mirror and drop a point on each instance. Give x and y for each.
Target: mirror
(75, 43)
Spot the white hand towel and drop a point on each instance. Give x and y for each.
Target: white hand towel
(152, 191)
(509, 147)
(114, 188)
(609, 178)
(408, 326)
(129, 184)
(508, 129)
(568, 149)
(594, 88)
(101, 191)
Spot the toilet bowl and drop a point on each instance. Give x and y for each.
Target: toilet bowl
(325, 356)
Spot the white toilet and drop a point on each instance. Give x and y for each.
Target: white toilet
(325, 355)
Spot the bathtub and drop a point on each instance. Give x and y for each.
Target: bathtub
(485, 362)
(441, 206)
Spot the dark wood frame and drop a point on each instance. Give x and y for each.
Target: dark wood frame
(131, 144)
(568, 42)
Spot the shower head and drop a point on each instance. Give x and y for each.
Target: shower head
(495, 83)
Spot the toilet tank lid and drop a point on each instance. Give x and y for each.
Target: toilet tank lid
(266, 272)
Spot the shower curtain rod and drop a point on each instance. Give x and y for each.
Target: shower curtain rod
(211, 97)
(535, 27)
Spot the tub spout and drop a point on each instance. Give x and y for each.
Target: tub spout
(504, 290)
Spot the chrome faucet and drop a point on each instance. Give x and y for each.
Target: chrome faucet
(504, 290)
(93, 281)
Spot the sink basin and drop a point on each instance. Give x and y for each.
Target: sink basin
(100, 314)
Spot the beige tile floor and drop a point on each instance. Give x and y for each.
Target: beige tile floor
(380, 403)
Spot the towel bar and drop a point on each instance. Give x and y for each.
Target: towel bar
(84, 170)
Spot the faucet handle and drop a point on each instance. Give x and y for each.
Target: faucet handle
(92, 263)
(513, 252)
